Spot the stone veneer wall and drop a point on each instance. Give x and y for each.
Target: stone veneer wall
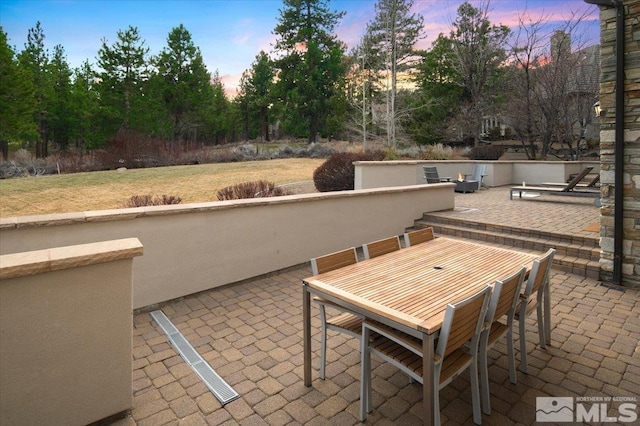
(631, 223)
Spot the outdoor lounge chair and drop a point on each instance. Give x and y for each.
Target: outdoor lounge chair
(591, 184)
(477, 175)
(431, 175)
(568, 189)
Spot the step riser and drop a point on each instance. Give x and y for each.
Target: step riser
(499, 229)
(524, 243)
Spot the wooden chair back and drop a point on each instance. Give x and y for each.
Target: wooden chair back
(380, 247)
(420, 236)
(462, 321)
(539, 274)
(505, 295)
(329, 262)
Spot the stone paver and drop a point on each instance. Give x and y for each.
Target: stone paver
(251, 333)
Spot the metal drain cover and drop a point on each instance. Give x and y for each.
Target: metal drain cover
(216, 384)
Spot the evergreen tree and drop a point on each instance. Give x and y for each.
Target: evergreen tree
(61, 114)
(311, 71)
(479, 51)
(438, 95)
(257, 93)
(34, 61)
(17, 106)
(214, 116)
(85, 107)
(123, 78)
(185, 82)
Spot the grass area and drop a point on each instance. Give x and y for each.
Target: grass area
(111, 189)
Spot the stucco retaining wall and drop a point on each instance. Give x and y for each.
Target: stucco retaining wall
(194, 247)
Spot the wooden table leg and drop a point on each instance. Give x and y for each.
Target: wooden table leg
(306, 330)
(428, 342)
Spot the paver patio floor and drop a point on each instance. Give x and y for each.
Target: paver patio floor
(251, 334)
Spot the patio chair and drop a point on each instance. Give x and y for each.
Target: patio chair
(504, 301)
(532, 298)
(431, 175)
(380, 247)
(568, 189)
(416, 237)
(461, 326)
(478, 174)
(346, 322)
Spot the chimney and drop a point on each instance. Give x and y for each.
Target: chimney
(560, 45)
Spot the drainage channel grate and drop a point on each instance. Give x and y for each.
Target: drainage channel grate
(214, 382)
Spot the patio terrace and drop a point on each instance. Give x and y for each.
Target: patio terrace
(251, 334)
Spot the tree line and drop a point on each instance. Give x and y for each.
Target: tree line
(309, 85)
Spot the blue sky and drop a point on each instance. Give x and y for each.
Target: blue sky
(230, 33)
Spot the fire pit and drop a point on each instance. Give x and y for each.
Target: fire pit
(465, 185)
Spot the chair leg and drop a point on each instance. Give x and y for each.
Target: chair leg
(511, 356)
(475, 392)
(323, 341)
(523, 341)
(547, 313)
(365, 375)
(484, 379)
(541, 326)
(436, 399)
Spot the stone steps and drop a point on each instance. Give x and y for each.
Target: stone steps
(575, 254)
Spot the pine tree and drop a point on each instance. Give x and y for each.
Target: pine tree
(311, 69)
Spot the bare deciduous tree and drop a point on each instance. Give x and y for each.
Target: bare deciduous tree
(552, 88)
(393, 34)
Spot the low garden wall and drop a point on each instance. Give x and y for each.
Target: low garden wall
(195, 247)
(374, 174)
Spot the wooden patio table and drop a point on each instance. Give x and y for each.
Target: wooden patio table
(409, 290)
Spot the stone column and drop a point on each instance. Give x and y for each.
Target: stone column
(631, 187)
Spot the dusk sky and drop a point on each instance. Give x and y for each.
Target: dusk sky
(230, 33)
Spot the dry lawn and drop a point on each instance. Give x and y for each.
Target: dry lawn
(111, 189)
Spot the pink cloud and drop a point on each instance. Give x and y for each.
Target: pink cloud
(230, 83)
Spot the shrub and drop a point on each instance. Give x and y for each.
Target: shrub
(256, 189)
(438, 152)
(338, 172)
(149, 200)
(487, 152)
